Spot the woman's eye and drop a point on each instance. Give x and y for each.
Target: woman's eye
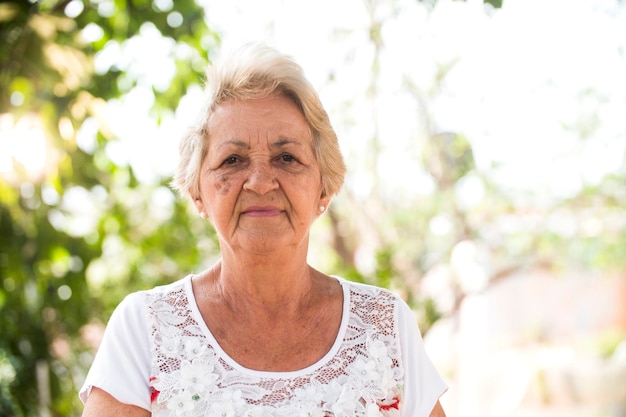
(287, 158)
(230, 160)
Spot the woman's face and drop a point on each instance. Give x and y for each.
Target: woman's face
(260, 183)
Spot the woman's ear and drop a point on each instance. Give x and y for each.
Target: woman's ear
(200, 208)
(324, 202)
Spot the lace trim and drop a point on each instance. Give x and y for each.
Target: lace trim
(190, 379)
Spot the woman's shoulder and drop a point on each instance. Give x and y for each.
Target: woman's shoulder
(368, 290)
(177, 286)
(175, 290)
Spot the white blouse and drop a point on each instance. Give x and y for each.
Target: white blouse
(158, 354)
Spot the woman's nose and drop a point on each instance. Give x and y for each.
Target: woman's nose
(261, 179)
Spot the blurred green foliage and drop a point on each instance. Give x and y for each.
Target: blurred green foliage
(58, 281)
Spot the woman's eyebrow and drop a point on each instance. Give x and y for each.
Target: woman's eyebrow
(285, 141)
(234, 143)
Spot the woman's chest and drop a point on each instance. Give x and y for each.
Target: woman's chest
(276, 344)
(193, 375)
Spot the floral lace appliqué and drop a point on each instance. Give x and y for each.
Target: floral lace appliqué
(363, 379)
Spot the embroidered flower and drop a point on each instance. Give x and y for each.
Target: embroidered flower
(376, 349)
(390, 345)
(364, 369)
(343, 400)
(169, 346)
(332, 390)
(229, 405)
(193, 348)
(379, 352)
(309, 396)
(181, 402)
(197, 376)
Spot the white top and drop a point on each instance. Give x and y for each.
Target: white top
(158, 354)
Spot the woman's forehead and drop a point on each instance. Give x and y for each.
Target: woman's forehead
(275, 120)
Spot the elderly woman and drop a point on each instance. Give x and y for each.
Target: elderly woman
(262, 333)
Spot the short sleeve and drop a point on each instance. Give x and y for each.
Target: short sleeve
(422, 383)
(121, 366)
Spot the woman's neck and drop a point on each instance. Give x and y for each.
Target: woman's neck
(264, 282)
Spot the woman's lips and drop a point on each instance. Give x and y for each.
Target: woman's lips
(262, 211)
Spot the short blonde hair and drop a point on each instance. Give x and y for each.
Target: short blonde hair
(253, 72)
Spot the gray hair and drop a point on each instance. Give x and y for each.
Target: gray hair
(253, 72)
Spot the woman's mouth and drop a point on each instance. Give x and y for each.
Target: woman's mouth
(262, 211)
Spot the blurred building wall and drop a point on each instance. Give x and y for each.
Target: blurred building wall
(537, 344)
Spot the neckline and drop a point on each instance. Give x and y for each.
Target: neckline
(195, 312)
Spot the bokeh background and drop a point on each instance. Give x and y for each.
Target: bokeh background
(485, 143)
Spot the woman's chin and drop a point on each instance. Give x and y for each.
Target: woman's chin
(266, 242)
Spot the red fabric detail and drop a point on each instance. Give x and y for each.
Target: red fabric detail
(395, 404)
(154, 393)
